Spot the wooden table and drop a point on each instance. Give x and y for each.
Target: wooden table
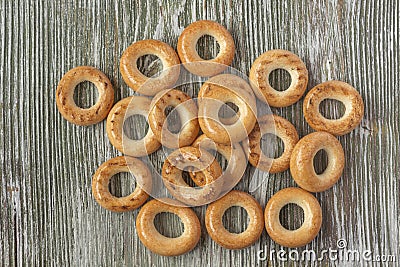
(48, 214)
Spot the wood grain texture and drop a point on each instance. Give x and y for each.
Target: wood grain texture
(47, 213)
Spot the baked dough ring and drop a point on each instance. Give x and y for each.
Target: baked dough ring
(159, 243)
(279, 59)
(312, 217)
(140, 82)
(191, 157)
(187, 48)
(233, 153)
(336, 90)
(280, 127)
(187, 111)
(213, 97)
(102, 177)
(122, 110)
(302, 164)
(65, 96)
(231, 82)
(220, 234)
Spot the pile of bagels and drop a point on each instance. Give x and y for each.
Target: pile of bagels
(237, 138)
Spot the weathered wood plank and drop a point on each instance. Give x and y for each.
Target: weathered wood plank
(48, 215)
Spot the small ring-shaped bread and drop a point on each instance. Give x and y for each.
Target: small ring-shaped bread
(133, 105)
(220, 234)
(116, 165)
(191, 157)
(140, 82)
(302, 161)
(231, 82)
(65, 96)
(273, 60)
(213, 98)
(159, 243)
(280, 127)
(232, 153)
(336, 90)
(312, 217)
(187, 48)
(187, 110)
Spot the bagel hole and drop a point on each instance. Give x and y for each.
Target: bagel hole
(135, 127)
(280, 79)
(320, 161)
(186, 177)
(291, 216)
(207, 47)
(169, 224)
(272, 146)
(332, 109)
(226, 113)
(122, 184)
(85, 95)
(149, 65)
(235, 219)
(174, 124)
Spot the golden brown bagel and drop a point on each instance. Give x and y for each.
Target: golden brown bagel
(115, 127)
(65, 96)
(213, 98)
(163, 245)
(280, 127)
(279, 59)
(187, 111)
(218, 232)
(149, 85)
(342, 92)
(187, 48)
(312, 217)
(302, 161)
(116, 165)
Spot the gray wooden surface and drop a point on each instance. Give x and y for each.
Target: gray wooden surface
(47, 213)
